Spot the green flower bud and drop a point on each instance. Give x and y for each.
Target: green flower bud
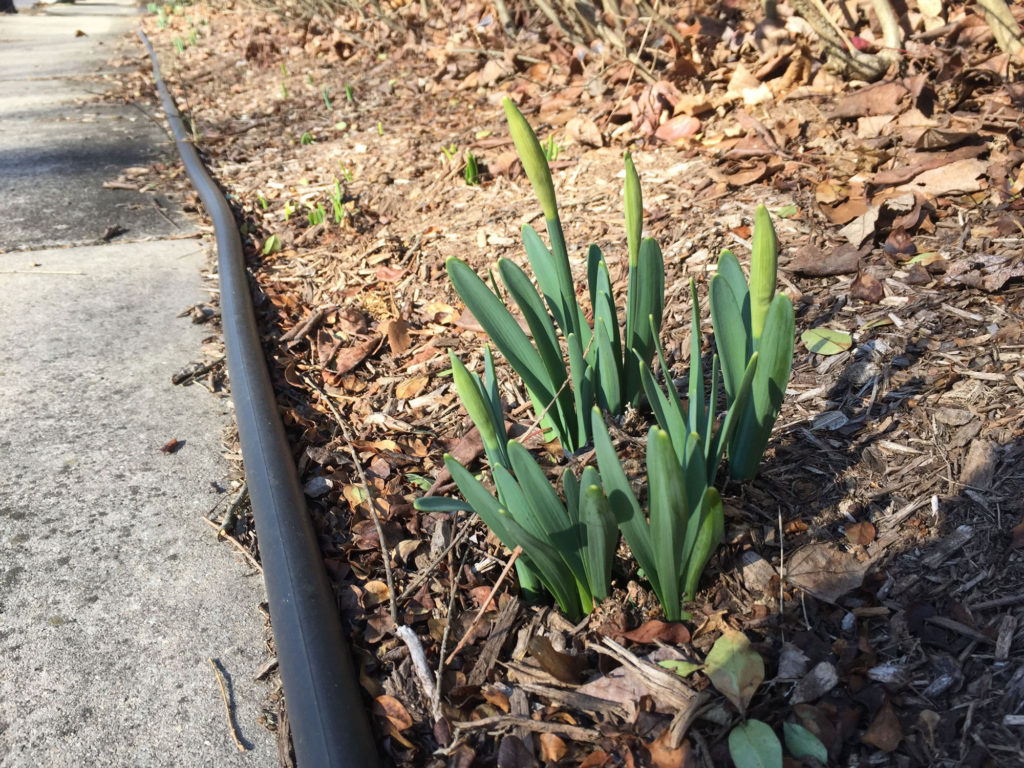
(634, 211)
(529, 150)
(763, 269)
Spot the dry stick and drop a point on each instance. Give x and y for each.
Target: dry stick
(436, 702)
(371, 497)
(232, 514)
(421, 667)
(490, 598)
(238, 545)
(421, 577)
(227, 705)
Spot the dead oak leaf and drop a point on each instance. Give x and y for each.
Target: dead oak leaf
(552, 748)
(654, 630)
(885, 732)
(664, 755)
(394, 711)
(824, 571)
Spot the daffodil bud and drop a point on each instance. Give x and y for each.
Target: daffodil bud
(532, 156)
(763, 270)
(634, 211)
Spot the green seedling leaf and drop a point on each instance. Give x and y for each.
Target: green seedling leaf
(802, 743)
(735, 668)
(680, 667)
(440, 503)
(271, 245)
(786, 211)
(826, 341)
(753, 744)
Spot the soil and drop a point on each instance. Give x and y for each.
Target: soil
(875, 562)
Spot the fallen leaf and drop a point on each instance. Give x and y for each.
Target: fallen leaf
(748, 174)
(411, 387)
(398, 336)
(663, 755)
(866, 287)
(899, 243)
(672, 633)
(802, 743)
(172, 445)
(680, 667)
(552, 748)
(561, 666)
(596, 759)
(583, 130)
(753, 744)
(979, 465)
(824, 571)
(860, 534)
(678, 128)
(1018, 535)
(822, 678)
(735, 668)
(826, 341)
(394, 711)
(885, 732)
(861, 228)
(877, 99)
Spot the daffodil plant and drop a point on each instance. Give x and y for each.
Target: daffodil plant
(752, 321)
(599, 364)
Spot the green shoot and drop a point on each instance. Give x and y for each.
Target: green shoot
(472, 172)
(349, 94)
(289, 209)
(263, 201)
(307, 138)
(338, 203)
(327, 99)
(271, 245)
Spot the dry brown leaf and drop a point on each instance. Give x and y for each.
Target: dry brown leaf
(866, 287)
(596, 759)
(678, 128)
(394, 711)
(861, 534)
(663, 755)
(813, 262)
(873, 100)
(398, 336)
(583, 130)
(961, 177)
(822, 678)
(654, 630)
(885, 732)
(411, 387)
(1017, 532)
(552, 748)
(824, 571)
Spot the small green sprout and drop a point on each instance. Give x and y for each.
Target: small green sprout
(472, 172)
(551, 149)
(284, 91)
(349, 94)
(284, 69)
(179, 45)
(289, 209)
(307, 138)
(271, 245)
(316, 215)
(309, 79)
(380, 128)
(449, 151)
(345, 172)
(337, 203)
(151, 7)
(327, 98)
(263, 201)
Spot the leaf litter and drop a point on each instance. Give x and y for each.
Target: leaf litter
(875, 562)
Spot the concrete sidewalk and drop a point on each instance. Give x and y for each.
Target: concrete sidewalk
(113, 591)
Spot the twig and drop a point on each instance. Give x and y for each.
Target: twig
(238, 545)
(421, 667)
(227, 705)
(454, 576)
(487, 603)
(574, 732)
(421, 577)
(299, 330)
(232, 514)
(371, 497)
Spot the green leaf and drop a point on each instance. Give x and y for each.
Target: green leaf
(634, 205)
(668, 509)
(680, 667)
(753, 744)
(731, 335)
(698, 417)
(802, 743)
(787, 211)
(504, 331)
(441, 504)
(472, 396)
(271, 245)
(543, 265)
(709, 536)
(609, 393)
(601, 539)
(826, 341)
(645, 308)
(624, 506)
(735, 668)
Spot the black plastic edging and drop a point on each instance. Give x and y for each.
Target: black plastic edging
(329, 725)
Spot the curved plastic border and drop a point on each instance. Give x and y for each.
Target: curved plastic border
(325, 709)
